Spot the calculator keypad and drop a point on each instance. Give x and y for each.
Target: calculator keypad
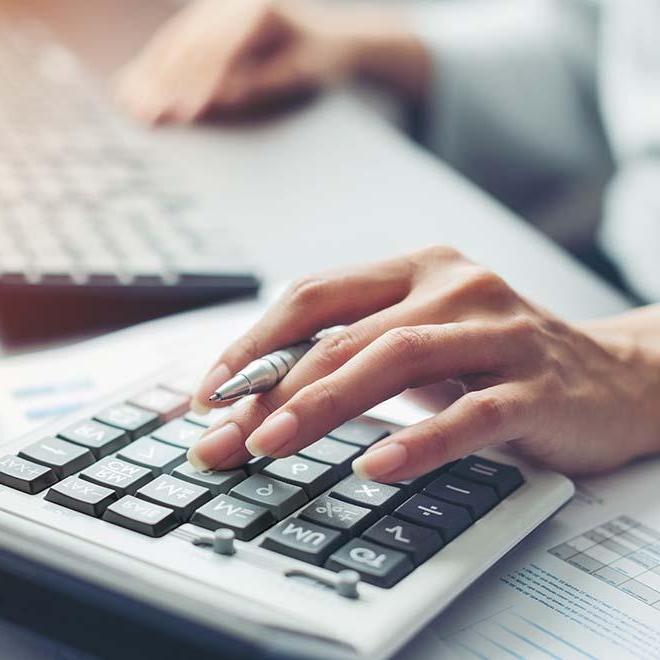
(127, 466)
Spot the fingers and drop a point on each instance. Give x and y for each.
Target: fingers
(478, 419)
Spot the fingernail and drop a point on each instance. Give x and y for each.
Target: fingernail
(273, 434)
(215, 447)
(198, 407)
(380, 461)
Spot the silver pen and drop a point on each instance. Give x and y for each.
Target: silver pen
(266, 372)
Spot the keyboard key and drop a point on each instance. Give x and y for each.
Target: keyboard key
(312, 476)
(376, 564)
(100, 439)
(359, 433)
(157, 456)
(181, 496)
(178, 432)
(503, 478)
(216, 481)
(419, 542)
(257, 464)
(166, 403)
(63, 457)
(448, 519)
(476, 498)
(28, 477)
(211, 417)
(333, 452)
(302, 540)
(247, 520)
(81, 495)
(367, 493)
(141, 516)
(278, 497)
(343, 516)
(122, 477)
(135, 421)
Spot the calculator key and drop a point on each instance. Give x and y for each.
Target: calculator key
(216, 481)
(157, 456)
(247, 520)
(211, 417)
(359, 433)
(181, 496)
(141, 516)
(367, 493)
(503, 478)
(28, 477)
(100, 439)
(312, 476)
(63, 457)
(375, 563)
(135, 421)
(178, 432)
(333, 452)
(278, 497)
(166, 403)
(476, 498)
(419, 542)
(122, 477)
(80, 495)
(448, 519)
(302, 540)
(343, 516)
(257, 464)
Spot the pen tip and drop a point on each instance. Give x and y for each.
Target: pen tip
(215, 397)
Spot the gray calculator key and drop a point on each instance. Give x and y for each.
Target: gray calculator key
(80, 495)
(100, 439)
(122, 477)
(211, 417)
(165, 403)
(135, 421)
(419, 542)
(375, 563)
(302, 540)
(448, 519)
(257, 464)
(333, 452)
(343, 516)
(28, 477)
(476, 498)
(367, 493)
(157, 456)
(179, 433)
(181, 496)
(360, 433)
(141, 516)
(503, 478)
(63, 457)
(278, 497)
(312, 476)
(247, 520)
(216, 481)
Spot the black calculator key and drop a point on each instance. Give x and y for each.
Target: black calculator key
(313, 477)
(278, 497)
(359, 433)
(179, 433)
(302, 540)
(367, 493)
(25, 476)
(100, 439)
(448, 519)
(257, 464)
(167, 404)
(415, 484)
(80, 495)
(122, 477)
(157, 456)
(216, 481)
(419, 542)
(503, 478)
(476, 498)
(181, 496)
(375, 563)
(211, 417)
(343, 516)
(333, 452)
(141, 516)
(63, 457)
(135, 421)
(247, 520)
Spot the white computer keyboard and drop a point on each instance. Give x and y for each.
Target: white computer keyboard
(295, 544)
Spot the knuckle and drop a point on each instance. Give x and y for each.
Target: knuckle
(490, 409)
(408, 344)
(247, 347)
(522, 329)
(336, 349)
(436, 253)
(307, 291)
(324, 397)
(483, 283)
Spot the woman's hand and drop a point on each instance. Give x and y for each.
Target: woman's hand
(232, 55)
(575, 400)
